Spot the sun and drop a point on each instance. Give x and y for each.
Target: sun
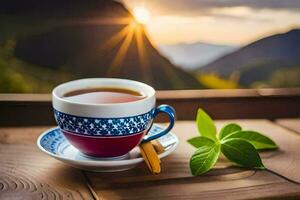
(141, 14)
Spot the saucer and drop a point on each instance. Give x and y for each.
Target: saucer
(54, 143)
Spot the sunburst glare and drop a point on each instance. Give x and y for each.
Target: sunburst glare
(121, 54)
(134, 29)
(141, 14)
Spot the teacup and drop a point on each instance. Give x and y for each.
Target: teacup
(108, 130)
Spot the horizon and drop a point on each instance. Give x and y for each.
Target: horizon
(233, 23)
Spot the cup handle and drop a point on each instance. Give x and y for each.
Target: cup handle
(171, 114)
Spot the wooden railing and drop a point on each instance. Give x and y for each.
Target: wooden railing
(36, 109)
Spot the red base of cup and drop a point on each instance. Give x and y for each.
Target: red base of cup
(104, 146)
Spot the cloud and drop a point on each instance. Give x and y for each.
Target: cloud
(203, 7)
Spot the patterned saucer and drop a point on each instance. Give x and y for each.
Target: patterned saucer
(53, 143)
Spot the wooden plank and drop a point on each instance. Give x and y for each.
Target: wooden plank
(176, 181)
(278, 91)
(27, 173)
(286, 159)
(36, 109)
(26, 113)
(21, 135)
(238, 108)
(292, 124)
(258, 185)
(34, 98)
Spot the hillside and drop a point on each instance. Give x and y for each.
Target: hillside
(260, 60)
(97, 38)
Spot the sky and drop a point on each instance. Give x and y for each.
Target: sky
(231, 22)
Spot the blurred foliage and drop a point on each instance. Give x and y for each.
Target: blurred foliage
(214, 81)
(11, 80)
(286, 78)
(283, 78)
(17, 76)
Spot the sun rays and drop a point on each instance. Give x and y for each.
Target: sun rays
(129, 37)
(133, 30)
(121, 54)
(116, 38)
(102, 21)
(142, 54)
(131, 33)
(126, 36)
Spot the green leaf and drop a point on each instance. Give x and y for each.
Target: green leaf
(228, 129)
(242, 153)
(200, 141)
(206, 125)
(204, 158)
(258, 140)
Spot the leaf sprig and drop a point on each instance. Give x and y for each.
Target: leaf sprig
(237, 145)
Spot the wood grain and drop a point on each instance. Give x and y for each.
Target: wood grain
(286, 159)
(27, 173)
(176, 181)
(21, 135)
(292, 124)
(258, 185)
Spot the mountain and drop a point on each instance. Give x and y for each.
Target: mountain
(259, 60)
(194, 55)
(91, 38)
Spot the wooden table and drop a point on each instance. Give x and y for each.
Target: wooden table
(27, 173)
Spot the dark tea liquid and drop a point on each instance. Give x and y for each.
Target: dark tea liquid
(103, 95)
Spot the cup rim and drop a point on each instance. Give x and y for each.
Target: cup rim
(151, 92)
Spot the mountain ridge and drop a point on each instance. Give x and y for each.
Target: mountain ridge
(258, 60)
(191, 56)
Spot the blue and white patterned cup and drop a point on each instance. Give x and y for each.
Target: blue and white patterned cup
(108, 130)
